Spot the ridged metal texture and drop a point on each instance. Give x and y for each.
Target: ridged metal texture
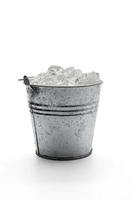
(63, 119)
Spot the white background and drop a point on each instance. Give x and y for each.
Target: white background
(91, 35)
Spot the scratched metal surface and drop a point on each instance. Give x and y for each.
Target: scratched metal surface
(63, 119)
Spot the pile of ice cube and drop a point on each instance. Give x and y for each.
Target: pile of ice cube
(56, 76)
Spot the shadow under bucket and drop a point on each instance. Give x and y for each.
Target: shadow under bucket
(63, 119)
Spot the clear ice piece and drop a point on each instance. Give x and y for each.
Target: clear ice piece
(54, 69)
(68, 71)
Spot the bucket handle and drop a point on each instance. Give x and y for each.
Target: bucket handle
(25, 80)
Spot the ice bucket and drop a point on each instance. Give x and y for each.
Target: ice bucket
(63, 119)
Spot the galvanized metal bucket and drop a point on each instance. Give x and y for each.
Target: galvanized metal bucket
(63, 119)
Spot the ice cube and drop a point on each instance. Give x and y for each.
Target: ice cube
(77, 73)
(54, 70)
(68, 71)
(92, 77)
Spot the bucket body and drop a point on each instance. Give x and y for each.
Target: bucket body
(63, 119)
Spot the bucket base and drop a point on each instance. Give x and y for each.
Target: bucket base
(64, 158)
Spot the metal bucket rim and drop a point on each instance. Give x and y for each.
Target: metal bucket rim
(65, 86)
